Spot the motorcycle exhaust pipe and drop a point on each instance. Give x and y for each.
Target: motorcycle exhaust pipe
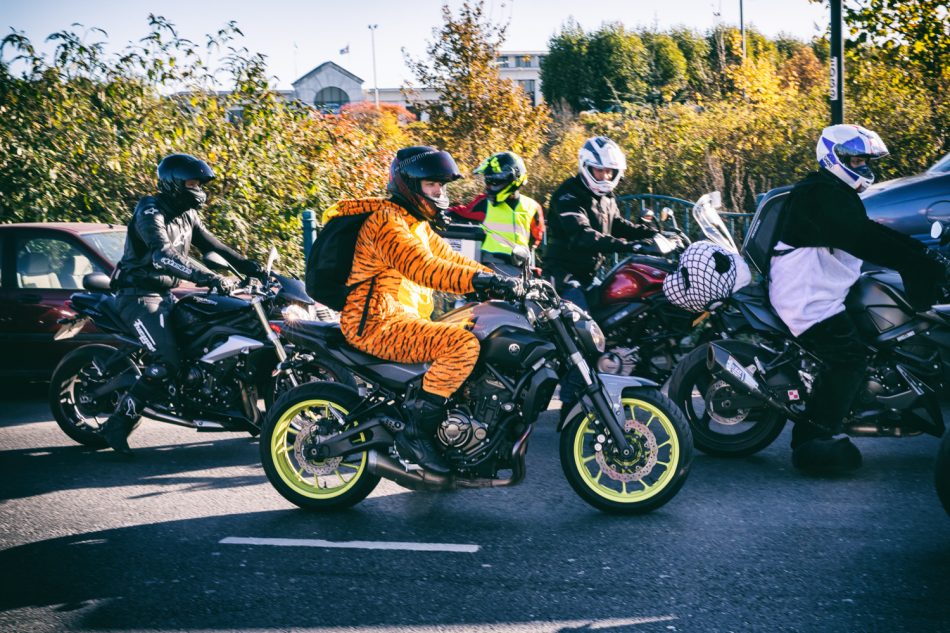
(201, 425)
(386, 467)
(720, 361)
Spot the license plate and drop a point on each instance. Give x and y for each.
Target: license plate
(70, 329)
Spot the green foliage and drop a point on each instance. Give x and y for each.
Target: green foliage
(564, 71)
(477, 112)
(80, 137)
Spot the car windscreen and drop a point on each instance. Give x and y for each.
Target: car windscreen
(942, 165)
(109, 244)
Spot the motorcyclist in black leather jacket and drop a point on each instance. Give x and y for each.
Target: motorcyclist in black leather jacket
(160, 234)
(584, 224)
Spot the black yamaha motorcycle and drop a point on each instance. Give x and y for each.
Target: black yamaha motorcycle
(230, 354)
(624, 447)
(737, 394)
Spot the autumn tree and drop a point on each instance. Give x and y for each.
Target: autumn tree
(81, 134)
(476, 112)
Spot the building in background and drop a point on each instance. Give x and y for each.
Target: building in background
(329, 86)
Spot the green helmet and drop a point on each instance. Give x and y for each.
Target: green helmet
(504, 173)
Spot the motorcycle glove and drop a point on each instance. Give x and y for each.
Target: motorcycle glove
(496, 286)
(250, 268)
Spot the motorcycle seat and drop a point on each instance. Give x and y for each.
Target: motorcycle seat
(388, 373)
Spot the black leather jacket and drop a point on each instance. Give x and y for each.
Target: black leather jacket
(583, 227)
(157, 244)
(825, 212)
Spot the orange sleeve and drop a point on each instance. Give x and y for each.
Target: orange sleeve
(399, 247)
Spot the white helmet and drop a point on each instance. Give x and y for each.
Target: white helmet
(838, 143)
(601, 152)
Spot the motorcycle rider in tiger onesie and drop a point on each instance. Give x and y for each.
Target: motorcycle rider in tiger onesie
(397, 263)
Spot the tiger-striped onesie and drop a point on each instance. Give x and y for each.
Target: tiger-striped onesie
(397, 263)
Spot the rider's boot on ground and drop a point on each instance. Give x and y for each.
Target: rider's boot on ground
(826, 456)
(415, 441)
(117, 428)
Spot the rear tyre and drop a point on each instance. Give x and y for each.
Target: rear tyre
(736, 434)
(81, 372)
(295, 424)
(663, 453)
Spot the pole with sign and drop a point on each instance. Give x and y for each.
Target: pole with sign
(836, 85)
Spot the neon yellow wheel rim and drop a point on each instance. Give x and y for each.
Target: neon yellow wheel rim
(643, 477)
(335, 477)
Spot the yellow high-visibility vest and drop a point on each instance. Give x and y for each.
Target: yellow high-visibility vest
(513, 225)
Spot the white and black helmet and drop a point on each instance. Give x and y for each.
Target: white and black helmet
(838, 143)
(601, 152)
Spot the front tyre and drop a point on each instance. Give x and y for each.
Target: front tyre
(78, 375)
(663, 452)
(295, 424)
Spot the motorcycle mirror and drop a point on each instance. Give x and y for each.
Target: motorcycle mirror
(272, 257)
(520, 255)
(939, 231)
(214, 261)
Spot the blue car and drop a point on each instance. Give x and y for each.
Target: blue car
(911, 204)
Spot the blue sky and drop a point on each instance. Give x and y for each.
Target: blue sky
(297, 36)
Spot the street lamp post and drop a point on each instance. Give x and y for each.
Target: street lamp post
(372, 39)
(742, 28)
(837, 65)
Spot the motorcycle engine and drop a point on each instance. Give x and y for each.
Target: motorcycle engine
(619, 361)
(461, 431)
(210, 387)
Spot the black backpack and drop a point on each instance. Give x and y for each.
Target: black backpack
(331, 260)
(766, 229)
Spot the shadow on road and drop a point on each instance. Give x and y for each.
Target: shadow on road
(36, 471)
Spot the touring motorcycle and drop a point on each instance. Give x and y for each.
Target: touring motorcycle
(623, 447)
(737, 393)
(230, 354)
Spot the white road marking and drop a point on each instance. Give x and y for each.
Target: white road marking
(385, 545)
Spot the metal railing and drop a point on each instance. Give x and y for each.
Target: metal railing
(738, 223)
(630, 205)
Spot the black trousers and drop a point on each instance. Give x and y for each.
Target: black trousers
(572, 384)
(836, 341)
(148, 316)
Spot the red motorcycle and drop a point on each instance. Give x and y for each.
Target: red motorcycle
(646, 334)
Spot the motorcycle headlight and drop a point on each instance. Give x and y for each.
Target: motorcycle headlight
(589, 334)
(293, 312)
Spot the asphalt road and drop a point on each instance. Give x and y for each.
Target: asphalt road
(189, 536)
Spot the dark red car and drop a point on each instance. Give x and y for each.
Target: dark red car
(41, 265)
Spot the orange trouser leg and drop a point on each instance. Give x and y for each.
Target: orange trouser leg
(451, 349)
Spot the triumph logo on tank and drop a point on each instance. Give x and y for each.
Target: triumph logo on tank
(144, 336)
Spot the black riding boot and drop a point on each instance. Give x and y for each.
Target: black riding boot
(146, 389)
(117, 428)
(415, 441)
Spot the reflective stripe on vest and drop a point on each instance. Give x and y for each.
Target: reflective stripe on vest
(508, 226)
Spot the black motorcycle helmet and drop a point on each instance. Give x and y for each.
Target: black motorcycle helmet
(174, 171)
(410, 167)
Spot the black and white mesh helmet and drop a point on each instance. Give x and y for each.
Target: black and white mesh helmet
(706, 273)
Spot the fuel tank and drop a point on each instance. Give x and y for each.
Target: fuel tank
(631, 282)
(878, 306)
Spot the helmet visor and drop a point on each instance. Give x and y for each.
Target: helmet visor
(435, 166)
